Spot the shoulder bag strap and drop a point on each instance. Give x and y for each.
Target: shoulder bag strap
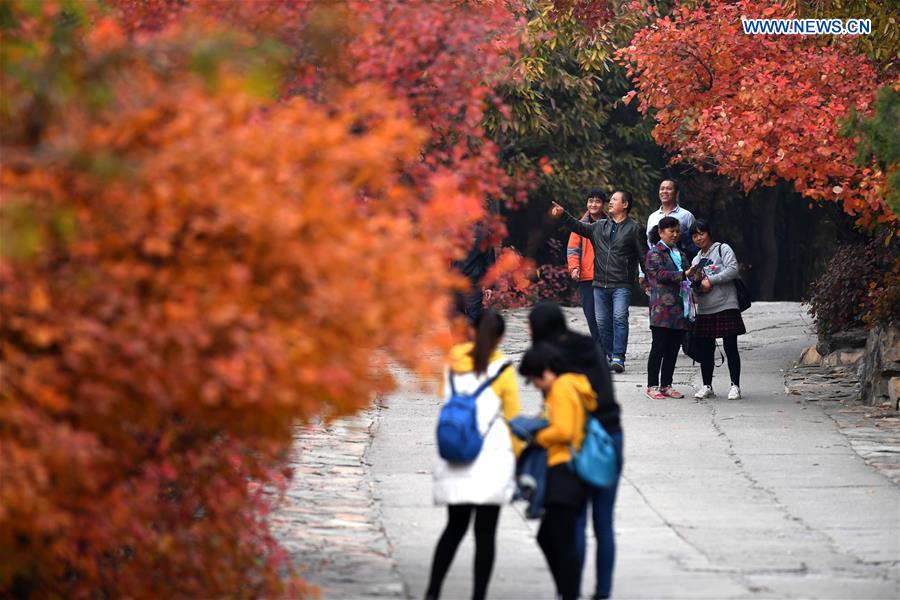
(735, 280)
(588, 415)
(721, 355)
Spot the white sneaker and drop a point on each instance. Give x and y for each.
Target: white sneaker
(734, 393)
(705, 392)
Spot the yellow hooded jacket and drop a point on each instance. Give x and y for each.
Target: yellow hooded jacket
(566, 402)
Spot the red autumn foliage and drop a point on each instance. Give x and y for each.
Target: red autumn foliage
(517, 282)
(276, 17)
(589, 12)
(550, 282)
(441, 60)
(189, 267)
(757, 108)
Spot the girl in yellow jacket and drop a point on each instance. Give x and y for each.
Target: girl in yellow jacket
(566, 398)
(484, 485)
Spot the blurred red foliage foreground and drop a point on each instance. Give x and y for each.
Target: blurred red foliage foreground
(189, 265)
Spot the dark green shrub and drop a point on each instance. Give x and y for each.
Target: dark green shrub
(853, 289)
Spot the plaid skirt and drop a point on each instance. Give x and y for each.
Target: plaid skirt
(720, 324)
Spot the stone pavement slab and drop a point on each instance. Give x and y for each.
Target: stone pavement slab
(329, 520)
(872, 431)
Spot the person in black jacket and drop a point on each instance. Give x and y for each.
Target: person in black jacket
(580, 353)
(474, 267)
(619, 247)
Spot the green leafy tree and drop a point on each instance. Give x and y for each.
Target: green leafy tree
(882, 45)
(879, 140)
(565, 118)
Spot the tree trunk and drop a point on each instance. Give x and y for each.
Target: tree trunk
(767, 268)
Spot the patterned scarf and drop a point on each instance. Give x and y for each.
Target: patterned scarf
(687, 299)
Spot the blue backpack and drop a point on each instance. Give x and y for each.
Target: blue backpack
(595, 463)
(458, 438)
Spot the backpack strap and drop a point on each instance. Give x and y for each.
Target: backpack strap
(490, 380)
(487, 384)
(450, 377)
(481, 389)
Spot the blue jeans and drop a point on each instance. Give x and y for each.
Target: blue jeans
(586, 291)
(611, 307)
(603, 500)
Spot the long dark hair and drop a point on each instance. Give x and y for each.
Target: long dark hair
(548, 324)
(489, 328)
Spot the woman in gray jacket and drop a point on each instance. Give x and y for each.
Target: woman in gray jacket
(718, 315)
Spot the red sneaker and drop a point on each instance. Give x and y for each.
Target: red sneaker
(654, 394)
(670, 392)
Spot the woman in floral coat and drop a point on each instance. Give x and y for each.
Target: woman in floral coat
(671, 305)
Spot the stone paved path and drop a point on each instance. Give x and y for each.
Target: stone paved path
(872, 431)
(763, 498)
(330, 521)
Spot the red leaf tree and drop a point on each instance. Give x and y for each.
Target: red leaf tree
(189, 266)
(757, 108)
(440, 60)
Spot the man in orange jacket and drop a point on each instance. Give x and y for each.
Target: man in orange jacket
(580, 258)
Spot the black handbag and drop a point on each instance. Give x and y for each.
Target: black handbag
(689, 346)
(690, 349)
(743, 294)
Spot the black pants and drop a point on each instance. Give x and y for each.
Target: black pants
(663, 352)
(486, 516)
(557, 539)
(706, 349)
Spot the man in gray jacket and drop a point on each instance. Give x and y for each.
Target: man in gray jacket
(619, 247)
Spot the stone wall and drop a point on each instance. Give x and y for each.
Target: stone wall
(880, 368)
(874, 357)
